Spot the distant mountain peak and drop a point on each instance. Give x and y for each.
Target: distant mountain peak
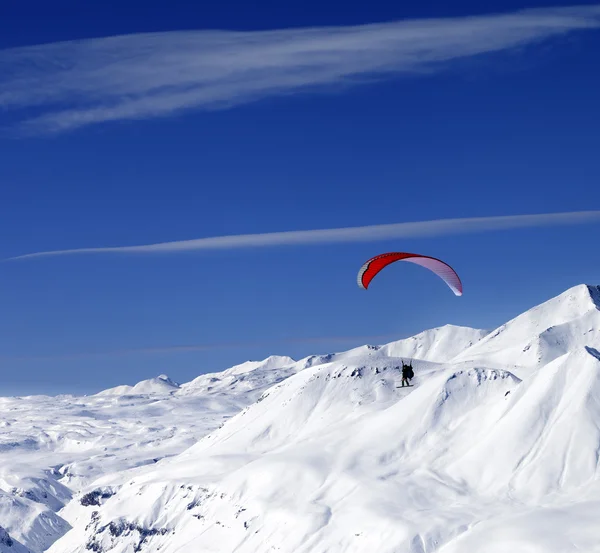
(273, 361)
(564, 323)
(160, 384)
(168, 380)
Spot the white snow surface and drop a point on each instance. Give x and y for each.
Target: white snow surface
(494, 448)
(54, 450)
(438, 344)
(560, 325)
(160, 384)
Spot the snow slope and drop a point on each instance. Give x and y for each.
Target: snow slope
(249, 379)
(52, 448)
(57, 451)
(9, 545)
(160, 385)
(336, 457)
(494, 448)
(438, 344)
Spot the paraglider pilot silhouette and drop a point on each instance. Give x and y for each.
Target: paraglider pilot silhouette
(407, 373)
(375, 265)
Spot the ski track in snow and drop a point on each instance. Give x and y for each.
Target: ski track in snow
(495, 448)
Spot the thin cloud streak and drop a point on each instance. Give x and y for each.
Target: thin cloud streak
(191, 348)
(77, 83)
(372, 233)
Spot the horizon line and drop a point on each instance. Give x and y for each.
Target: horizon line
(190, 348)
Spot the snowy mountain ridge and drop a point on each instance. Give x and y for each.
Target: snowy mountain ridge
(328, 453)
(562, 324)
(162, 384)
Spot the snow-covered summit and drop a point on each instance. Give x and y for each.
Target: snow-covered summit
(160, 385)
(271, 362)
(437, 344)
(248, 379)
(567, 322)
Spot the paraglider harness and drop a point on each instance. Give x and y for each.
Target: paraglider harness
(407, 373)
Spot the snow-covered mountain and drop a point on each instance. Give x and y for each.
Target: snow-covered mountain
(53, 447)
(562, 324)
(492, 449)
(160, 385)
(249, 379)
(438, 344)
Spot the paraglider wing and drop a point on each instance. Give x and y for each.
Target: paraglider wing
(372, 267)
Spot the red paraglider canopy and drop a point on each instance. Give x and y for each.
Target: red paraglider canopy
(372, 267)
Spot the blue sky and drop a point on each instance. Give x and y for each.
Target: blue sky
(477, 120)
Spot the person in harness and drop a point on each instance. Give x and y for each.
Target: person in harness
(407, 373)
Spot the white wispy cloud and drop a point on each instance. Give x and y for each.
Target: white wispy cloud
(371, 233)
(77, 83)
